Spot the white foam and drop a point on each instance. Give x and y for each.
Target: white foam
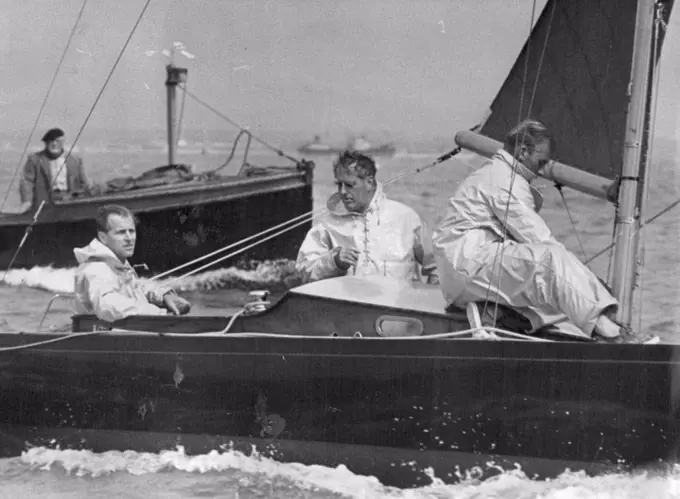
(267, 273)
(340, 480)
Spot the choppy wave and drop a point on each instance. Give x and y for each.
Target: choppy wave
(271, 274)
(230, 473)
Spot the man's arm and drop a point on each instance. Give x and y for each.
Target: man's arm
(316, 258)
(423, 252)
(165, 297)
(516, 212)
(27, 182)
(83, 180)
(108, 301)
(155, 292)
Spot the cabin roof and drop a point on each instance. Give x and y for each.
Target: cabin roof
(378, 291)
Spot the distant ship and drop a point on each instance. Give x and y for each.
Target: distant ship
(360, 144)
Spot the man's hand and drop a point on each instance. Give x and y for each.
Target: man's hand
(176, 304)
(25, 207)
(432, 279)
(345, 257)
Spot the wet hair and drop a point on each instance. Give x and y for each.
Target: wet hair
(529, 133)
(103, 214)
(356, 163)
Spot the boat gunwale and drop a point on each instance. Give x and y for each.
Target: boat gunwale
(181, 188)
(122, 342)
(161, 193)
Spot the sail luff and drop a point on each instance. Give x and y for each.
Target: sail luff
(573, 72)
(627, 221)
(662, 15)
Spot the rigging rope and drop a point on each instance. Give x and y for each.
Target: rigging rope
(501, 249)
(311, 214)
(278, 151)
(571, 219)
(300, 219)
(656, 52)
(610, 263)
(29, 228)
(668, 208)
(232, 153)
(42, 106)
(240, 250)
(647, 177)
(484, 330)
(305, 217)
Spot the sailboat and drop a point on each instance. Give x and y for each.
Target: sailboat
(359, 144)
(380, 376)
(191, 213)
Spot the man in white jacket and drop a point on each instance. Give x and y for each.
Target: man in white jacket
(107, 285)
(492, 246)
(365, 233)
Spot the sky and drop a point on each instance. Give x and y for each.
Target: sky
(389, 68)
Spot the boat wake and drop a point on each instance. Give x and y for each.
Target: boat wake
(233, 474)
(271, 274)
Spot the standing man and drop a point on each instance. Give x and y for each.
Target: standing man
(49, 173)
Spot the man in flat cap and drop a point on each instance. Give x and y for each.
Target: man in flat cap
(51, 173)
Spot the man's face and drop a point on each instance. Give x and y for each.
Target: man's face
(121, 236)
(56, 146)
(356, 193)
(537, 159)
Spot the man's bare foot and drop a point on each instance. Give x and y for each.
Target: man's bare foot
(607, 328)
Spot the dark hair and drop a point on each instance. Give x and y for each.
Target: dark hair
(529, 133)
(360, 164)
(103, 213)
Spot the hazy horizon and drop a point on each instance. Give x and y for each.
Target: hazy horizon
(390, 69)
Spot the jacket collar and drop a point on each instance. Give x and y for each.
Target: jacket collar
(99, 252)
(516, 165)
(337, 207)
(525, 173)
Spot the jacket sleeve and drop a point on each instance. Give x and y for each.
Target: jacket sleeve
(83, 182)
(517, 214)
(27, 180)
(315, 260)
(155, 292)
(108, 302)
(423, 251)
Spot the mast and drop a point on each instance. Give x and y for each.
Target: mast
(175, 76)
(628, 221)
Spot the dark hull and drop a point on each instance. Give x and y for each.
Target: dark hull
(388, 408)
(177, 223)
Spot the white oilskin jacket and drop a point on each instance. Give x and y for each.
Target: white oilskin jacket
(390, 236)
(109, 288)
(492, 244)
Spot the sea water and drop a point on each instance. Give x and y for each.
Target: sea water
(584, 224)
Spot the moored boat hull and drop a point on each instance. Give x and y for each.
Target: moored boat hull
(178, 223)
